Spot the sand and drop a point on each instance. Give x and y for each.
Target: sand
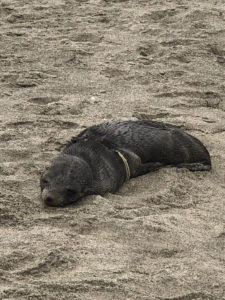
(66, 65)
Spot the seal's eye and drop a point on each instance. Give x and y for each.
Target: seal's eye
(44, 181)
(70, 192)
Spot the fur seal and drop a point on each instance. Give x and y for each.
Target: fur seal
(102, 157)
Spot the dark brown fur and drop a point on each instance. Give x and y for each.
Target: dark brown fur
(90, 164)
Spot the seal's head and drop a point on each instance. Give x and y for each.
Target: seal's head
(66, 180)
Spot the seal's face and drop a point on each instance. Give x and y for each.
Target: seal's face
(66, 180)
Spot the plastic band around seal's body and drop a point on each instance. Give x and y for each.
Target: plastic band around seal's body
(127, 168)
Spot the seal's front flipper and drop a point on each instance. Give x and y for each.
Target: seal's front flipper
(148, 167)
(195, 166)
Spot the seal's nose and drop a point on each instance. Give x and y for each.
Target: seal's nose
(50, 198)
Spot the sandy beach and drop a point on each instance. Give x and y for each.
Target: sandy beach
(66, 65)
